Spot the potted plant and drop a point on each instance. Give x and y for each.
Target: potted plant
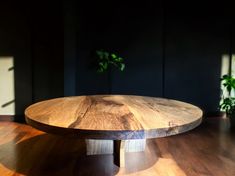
(106, 61)
(227, 103)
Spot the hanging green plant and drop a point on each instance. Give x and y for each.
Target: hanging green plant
(227, 103)
(228, 82)
(106, 59)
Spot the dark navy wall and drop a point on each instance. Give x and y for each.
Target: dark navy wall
(133, 31)
(47, 49)
(33, 33)
(15, 41)
(140, 39)
(172, 49)
(197, 35)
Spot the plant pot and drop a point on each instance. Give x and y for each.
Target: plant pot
(232, 120)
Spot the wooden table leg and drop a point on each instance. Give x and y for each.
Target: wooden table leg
(119, 152)
(115, 147)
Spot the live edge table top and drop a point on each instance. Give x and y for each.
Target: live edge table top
(116, 117)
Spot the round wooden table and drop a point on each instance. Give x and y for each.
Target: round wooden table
(121, 121)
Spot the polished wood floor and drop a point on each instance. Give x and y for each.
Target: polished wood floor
(208, 150)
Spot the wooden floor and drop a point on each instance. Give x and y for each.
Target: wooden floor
(208, 150)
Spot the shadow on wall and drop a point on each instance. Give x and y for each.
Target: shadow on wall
(7, 88)
(15, 88)
(35, 40)
(15, 45)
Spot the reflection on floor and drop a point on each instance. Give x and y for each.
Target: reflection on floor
(206, 150)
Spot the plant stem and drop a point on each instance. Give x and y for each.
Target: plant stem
(109, 81)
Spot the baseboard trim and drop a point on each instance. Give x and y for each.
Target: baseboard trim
(12, 118)
(8, 118)
(213, 114)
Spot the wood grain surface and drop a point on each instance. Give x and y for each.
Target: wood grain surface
(115, 117)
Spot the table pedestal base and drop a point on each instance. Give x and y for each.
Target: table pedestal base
(115, 147)
(119, 153)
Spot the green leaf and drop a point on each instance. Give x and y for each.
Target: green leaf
(101, 64)
(106, 59)
(100, 54)
(114, 56)
(105, 66)
(119, 59)
(100, 70)
(106, 55)
(122, 67)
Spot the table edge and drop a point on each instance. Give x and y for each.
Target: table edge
(114, 134)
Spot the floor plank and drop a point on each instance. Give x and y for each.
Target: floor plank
(208, 150)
